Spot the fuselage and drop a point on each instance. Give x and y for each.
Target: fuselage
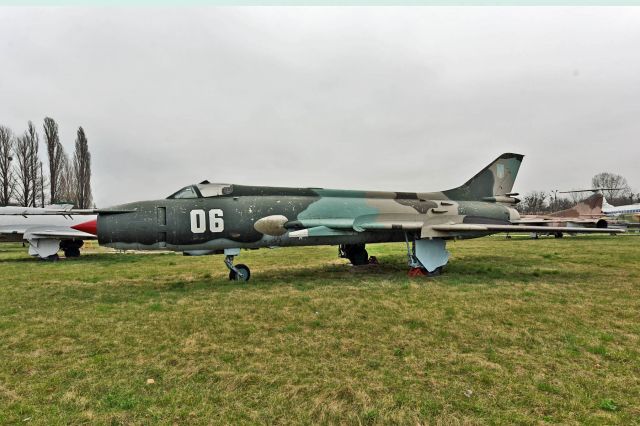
(615, 211)
(191, 221)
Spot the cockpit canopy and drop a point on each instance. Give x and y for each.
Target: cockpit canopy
(204, 189)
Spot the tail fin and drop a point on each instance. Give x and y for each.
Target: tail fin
(591, 206)
(606, 205)
(495, 180)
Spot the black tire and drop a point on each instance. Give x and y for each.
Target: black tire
(72, 252)
(245, 273)
(52, 258)
(360, 257)
(559, 235)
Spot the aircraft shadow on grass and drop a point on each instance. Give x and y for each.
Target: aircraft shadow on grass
(476, 269)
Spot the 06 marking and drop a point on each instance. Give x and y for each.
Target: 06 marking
(199, 221)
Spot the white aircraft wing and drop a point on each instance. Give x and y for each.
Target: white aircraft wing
(47, 233)
(37, 211)
(60, 232)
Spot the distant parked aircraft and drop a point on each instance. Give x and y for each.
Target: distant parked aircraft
(587, 213)
(629, 209)
(626, 216)
(47, 230)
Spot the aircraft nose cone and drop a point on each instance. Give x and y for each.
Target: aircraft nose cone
(90, 227)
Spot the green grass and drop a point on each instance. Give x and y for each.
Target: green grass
(515, 331)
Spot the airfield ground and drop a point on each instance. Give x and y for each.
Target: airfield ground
(516, 331)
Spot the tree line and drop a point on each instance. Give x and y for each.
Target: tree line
(22, 178)
(614, 187)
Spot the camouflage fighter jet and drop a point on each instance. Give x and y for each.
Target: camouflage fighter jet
(213, 218)
(587, 213)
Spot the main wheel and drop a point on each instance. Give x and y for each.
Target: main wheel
(243, 273)
(360, 257)
(72, 252)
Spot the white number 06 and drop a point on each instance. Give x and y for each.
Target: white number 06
(199, 221)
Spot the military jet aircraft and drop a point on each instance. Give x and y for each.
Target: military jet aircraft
(626, 216)
(587, 213)
(210, 218)
(48, 229)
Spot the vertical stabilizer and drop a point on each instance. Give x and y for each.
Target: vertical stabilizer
(495, 180)
(592, 206)
(606, 206)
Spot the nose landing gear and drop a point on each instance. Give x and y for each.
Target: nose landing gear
(238, 272)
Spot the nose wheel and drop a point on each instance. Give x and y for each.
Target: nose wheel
(238, 272)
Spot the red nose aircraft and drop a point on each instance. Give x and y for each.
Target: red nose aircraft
(48, 230)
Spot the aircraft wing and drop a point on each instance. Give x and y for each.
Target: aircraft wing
(471, 227)
(31, 211)
(543, 221)
(37, 211)
(415, 222)
(53, 231)
(56, 232)
(430, 227)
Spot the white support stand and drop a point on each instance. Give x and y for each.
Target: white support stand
(432, 254)
(43, 247)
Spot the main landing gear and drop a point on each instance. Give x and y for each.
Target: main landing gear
(356, 253)
(238, 272)
(71, 248)
(426, 257)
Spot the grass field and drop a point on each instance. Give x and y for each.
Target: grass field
(515, 331)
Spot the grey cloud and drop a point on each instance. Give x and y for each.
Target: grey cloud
(362, 97)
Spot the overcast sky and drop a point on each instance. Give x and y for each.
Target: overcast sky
(407, 99)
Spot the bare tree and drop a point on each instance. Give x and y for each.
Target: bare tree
(534, 203)
(56, 156)
(577, 195)
(66, 190)
(563, 204)
(82, 171)
(7, 177)
(557, 204)
(41, 186)
(23, 158)
(28, 163)
(615, 186)
(34, 163)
